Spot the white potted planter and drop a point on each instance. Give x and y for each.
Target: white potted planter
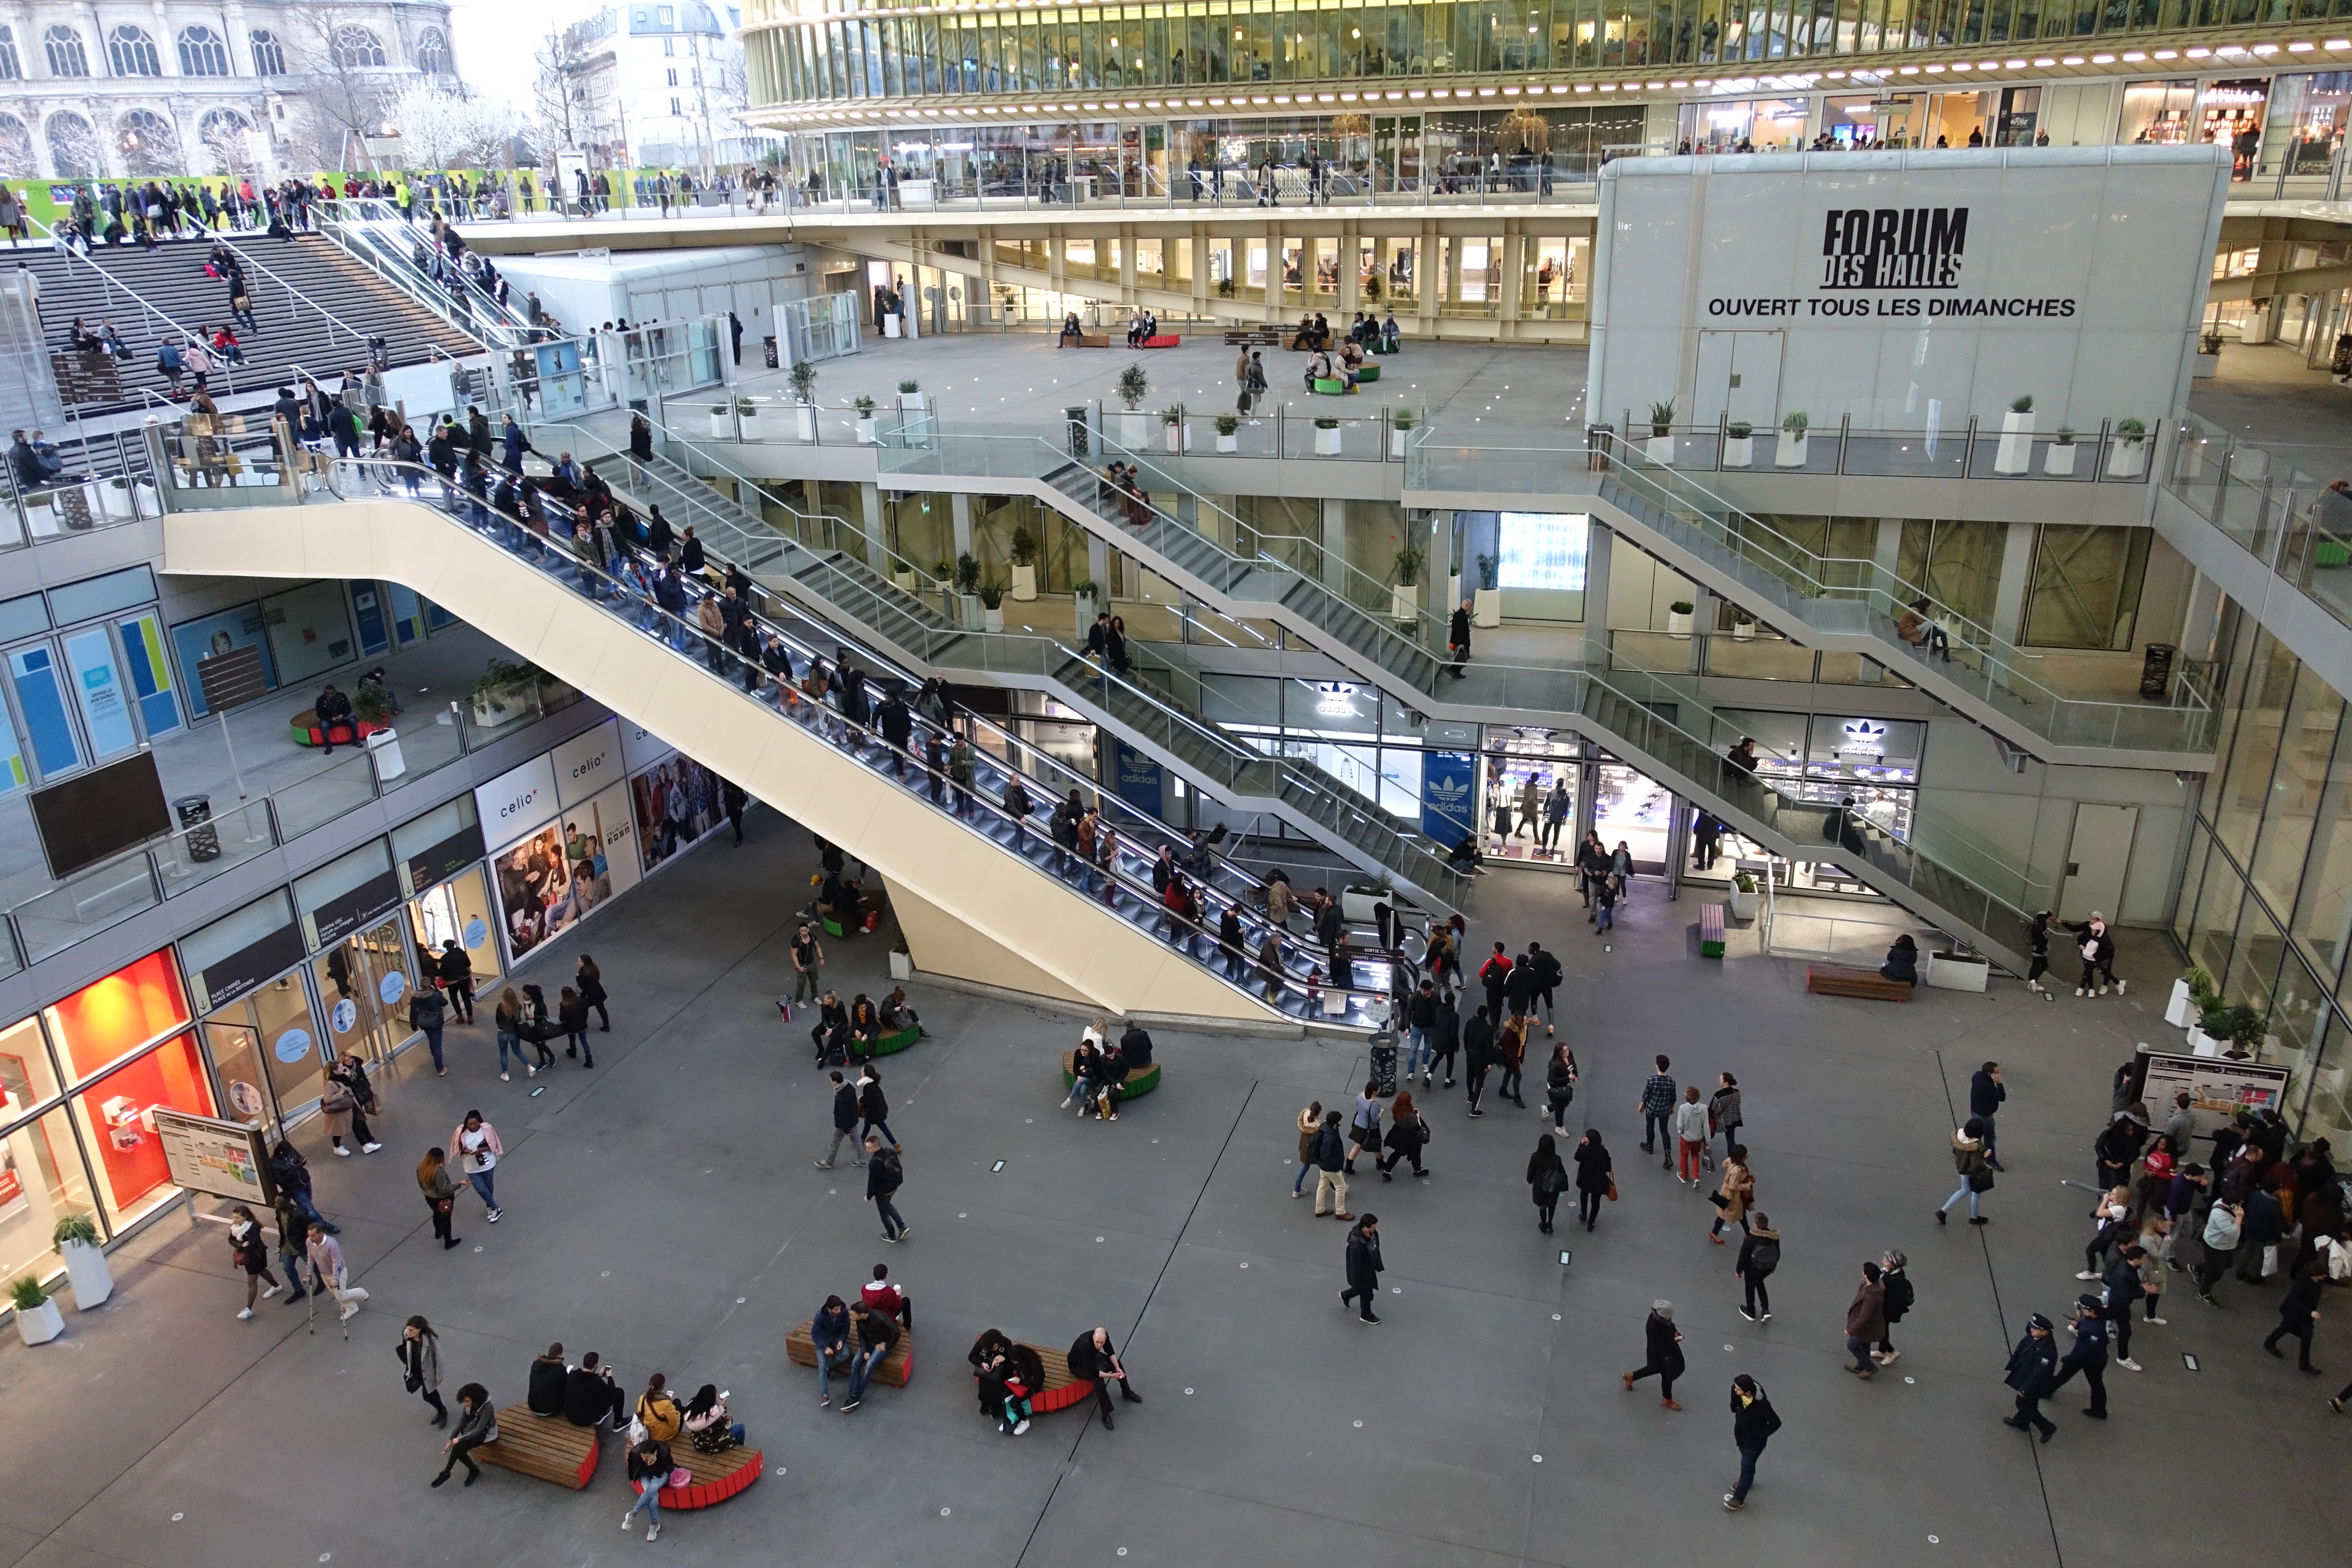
(1134, 430)
(2179, 1010)
(1485, 607)
(39, 1322)
(1175, 434)
(865, 435)
(1025, 583)
(748, 415)
(1789, 452)
(910, 397)
(1739, 451)
(1327, 442)
(902, 966)
(721, 427)
(2058, 459)
(1743, 902)
(1228, 441)
(2207, 366)
(1957, 971)
(1357, 900)
(86, 1265)
(1405, 604)
(2201, 1044)
(2015, 453)
(890, 325)
(1682, 623)
(115, 495)
(1660, 449)
(804, 420)
(1087, 608)
(1743, 631)
(992, 619)
(2127, 459)
(906, 580)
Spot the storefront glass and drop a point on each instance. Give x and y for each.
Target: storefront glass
(1631, 809)
(111, 1018)
(363, 983)
(290, 1033)
(459, 910)
(2156, 112)
(1514, 760)
(26, 1078)
(2231, 114)
(42, 1180)
(116, 1119)
(2306, 123)
(234, 1044)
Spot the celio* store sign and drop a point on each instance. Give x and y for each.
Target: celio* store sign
(1906, 289)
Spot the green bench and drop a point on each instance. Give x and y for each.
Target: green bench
(1710, 930)
(891, 1045)
(1332, 388)
(1367, 373)
(1130, 1087)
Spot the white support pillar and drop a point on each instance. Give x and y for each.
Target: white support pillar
(960, 520)
(1596, 593)
(2016, 572)
(1335, 540)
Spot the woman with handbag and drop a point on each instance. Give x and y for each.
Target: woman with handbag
(1364, 1131)
(420, 1363)
(1976, 1174)
(1408, 1136)
(1310, 1131)
(348, 1098)
(440, 1190)
(1559, 1087)
(589, 981)
(249, 1251)
(1734, 1196)
(1548, 1177)
(658, 1413)
(1592, 1178)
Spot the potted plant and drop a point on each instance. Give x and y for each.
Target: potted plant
(1743, 626)
(503, 693)
(910, 397)
(2193, 993)
(1660, 448)
(1401, 423)
(1486, 603)
(1225, 288)
(76, 1238)
(991, 606)
(2127, 459)
(2209, 355)
(1172, 416)
(2058, 462)
(1681, 618)
(1407, 600)
(1228, 428)
(37, 1319)
(1088, 597)
(1739, 445)
(1957, 969)
(1024, 563)
(722, 429)
(1744, 895)
(2226, 1031)
(1792, 450)
(967, 587)
(1131, 385)
(904, 575)
(864, 406)
(747, 413)
(1327, 436)
(2015, 453)
(801, 379)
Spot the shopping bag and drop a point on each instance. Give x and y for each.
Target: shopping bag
(785, 1008)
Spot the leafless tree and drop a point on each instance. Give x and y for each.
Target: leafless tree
(343, 86)
(556, 86)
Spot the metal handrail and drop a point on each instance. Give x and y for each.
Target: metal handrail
(109, 282)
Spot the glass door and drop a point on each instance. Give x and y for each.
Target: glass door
(234, 1044)
(40, 691)
(1632, 809)
(363, 982)
(290, 1037)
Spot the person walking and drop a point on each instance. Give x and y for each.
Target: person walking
(2224, 1226)
(249, 1250)
(1753, 1422)
(883, 1176)
(1663, 1344)
(1448, 1042)
(1760, 1254)
(1723, 1113)
(2031, 1366)
(330, 1273)
(478, 1152)
(1559, 1086)
(1976, 1174)
(571, 1018)
(1364, 1267)
(1546, 1179)
(1735, 1193)
(2123, 1286)
(456, 971)
(1364, 1127)
(1657, 1109)
(1593, 1177)
(2299, 1314)
(1690, 1137)
(1310, 1134)
(874, 1108)
(2088, 1356)
(1866, 1319)
(1331, 1169)
(506, 1018)
(477, 1423)
(1899, 1296)
(1478, 1056)
(1408, 1135)
(428, 1012)
(440, 1190)
(844, 1124)
(420, 1364)
(808, 965)
(2098, 957)
(1986, 1093)
(588, 981)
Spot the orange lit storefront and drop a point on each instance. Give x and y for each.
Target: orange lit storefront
(82, 1083)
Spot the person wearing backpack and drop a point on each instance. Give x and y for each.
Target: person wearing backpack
(427, 1011)
(1548, 1178)
(845, 1123)
(1760, 1254)
(883, 1176)
(1899, 1296)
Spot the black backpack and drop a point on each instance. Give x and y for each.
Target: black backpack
(1766, 1257)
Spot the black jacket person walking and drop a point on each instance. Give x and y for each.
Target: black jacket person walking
(1364, 1267)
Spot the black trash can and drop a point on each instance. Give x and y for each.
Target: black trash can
(1384, 1063)
(2155, 671)
(1081, 444)
(195, 815)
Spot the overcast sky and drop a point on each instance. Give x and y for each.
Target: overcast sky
(496, 40)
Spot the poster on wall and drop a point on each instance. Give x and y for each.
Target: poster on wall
(675, 803)
(206, 1154)
(2218, 1087)
(1446, 784)
(537, 895)
(608, 823)
(1140, 780)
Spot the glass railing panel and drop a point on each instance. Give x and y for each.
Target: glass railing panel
(84, 904)
(325, 796)
(194, 856)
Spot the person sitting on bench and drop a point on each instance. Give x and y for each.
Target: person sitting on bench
(1388, 334)
(1086, 1068)
(987, 1351)
(334, 712)
(1134, 329)
(549, 1374)
(898, 1017)
(829, 1334)
(1111, 1073)
(888, 1298)
(1351, 359)
(1071, 337)
(1135, 1047)
(708, 1428)
(877, 1336)
(865, 1027)
(591, 1396)
(1902, 960)
(831, 1035)
(657, 1410)
(1092, 1355)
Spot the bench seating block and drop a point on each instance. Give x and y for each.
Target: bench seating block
(716, 1476)
(1331, 388)
(1164, 340)
(1134, 1084)
(896, 1368)
(546, 1447)
(1061, 1390)
(1367, 373)
(1085, 339)
(1831, 980)
(891, 1045)
(1710, 930)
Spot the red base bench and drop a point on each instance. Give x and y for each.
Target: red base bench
(716, 1476)
(546, 1447)
(1164, 340)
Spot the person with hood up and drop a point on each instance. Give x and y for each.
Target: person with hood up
(1753, 1422)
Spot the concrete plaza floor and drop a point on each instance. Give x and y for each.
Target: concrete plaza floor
(662, 1210)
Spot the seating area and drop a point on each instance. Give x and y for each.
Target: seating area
(1332, 388)
(545, 1447)
(716, 1476)
(1061, 1390)
(304, 730)
(1710, 930)
(1086, 341)
(891, 1045)
(896, 1368)
(1132, 1086)
(1830, 980)
(1163, 340)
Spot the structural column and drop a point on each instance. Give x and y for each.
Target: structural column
(1597, 552)
(960, 520)
(869, 501)
(2016, 573)
(1335, 543)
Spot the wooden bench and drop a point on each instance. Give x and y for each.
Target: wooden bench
(1061, 1390)
(716, 1476)
(1254, 337)
(1086, 341)
(1830, 980)
(1137, 1082)
(548, 1447)
(1710, 930)
(891, 1045)
(896, 1368)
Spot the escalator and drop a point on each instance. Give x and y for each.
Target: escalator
(1660, 720)
(801, 557)
(959, 864)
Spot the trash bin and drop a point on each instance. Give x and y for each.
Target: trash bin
(2155, 671)
(768, 354)
(195, 815)
(383, 746)
(1076, 419)
(1384, 1063)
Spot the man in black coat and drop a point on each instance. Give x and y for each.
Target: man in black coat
(1753, 1422)
(2030, 1367)
(1364, 1267)
(1986, 1093)
(1478, 1049)
(1457, 640)
(896, 721)
(1135, 1044)
(2299, 1314)
(1093, 1356)
(883, 1176)
(590, 1396)
(832, 1032)
(845, 1123)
